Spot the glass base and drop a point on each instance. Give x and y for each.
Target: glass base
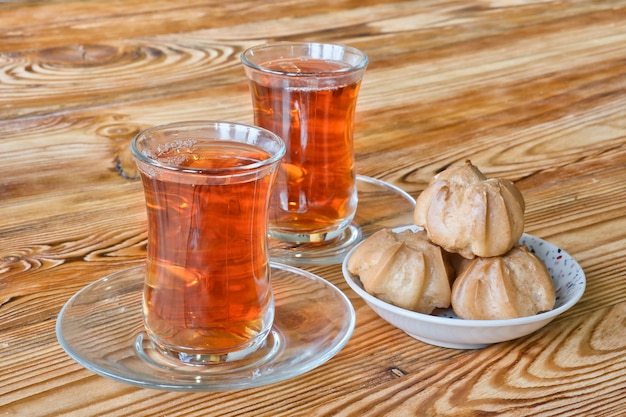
(101, 327)
(152, 355)
(299, 238)
(204, 358)
(380, 205)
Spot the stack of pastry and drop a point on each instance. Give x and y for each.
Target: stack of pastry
(466, 257)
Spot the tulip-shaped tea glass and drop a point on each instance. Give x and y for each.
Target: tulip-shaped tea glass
(207, 294)
(307, 93)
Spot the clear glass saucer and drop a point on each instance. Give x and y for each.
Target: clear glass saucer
(380, 205)
(101, 327)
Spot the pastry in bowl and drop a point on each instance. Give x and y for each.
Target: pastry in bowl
(404, 269)
(513, 285)
(444, 328)
(467, 213)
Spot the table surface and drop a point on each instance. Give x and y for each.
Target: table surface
(532, 91)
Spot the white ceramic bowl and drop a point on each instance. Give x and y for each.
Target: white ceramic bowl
(445, 329)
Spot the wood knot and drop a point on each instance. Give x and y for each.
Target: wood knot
(397, 372)
(11, 259)
(81, 55)
(120, 135)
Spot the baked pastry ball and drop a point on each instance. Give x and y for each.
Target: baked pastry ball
(404, 269)
(466, 213)
(516, 284)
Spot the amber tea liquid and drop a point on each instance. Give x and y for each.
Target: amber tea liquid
(311, 104)
(207, 288)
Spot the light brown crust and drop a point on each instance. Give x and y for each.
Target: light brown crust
(466, 213)
(403, 269)
(503, 287)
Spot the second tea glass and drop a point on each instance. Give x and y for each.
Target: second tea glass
(307, 93)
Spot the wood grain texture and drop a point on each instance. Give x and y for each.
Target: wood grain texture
(534, 91)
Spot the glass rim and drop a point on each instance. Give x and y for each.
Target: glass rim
(243, 169)
(339, 71)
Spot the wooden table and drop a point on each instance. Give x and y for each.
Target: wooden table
(533, 91)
